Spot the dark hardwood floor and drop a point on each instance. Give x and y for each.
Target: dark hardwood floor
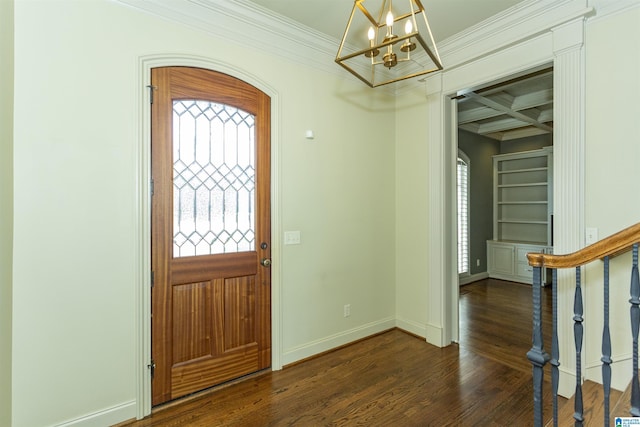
(496, 321)
(391, 379)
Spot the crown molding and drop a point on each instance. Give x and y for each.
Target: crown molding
(254, 27)
(521, 22)
(606, 8)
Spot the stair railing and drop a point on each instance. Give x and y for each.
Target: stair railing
(623, 241)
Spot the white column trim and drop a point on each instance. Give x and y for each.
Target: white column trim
(438, 331)
(569, 177)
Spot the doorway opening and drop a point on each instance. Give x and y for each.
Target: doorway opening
(506, 130)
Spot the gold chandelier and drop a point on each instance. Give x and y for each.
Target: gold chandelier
(374, 51)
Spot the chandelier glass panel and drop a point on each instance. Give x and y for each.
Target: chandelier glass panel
(387, 41)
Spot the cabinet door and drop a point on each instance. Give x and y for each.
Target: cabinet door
(501, 258)
(523, 270)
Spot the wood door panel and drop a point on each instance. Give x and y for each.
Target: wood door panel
(239, 312)
(206, 267)
(193, 334)
(199, 374)
(205, 312)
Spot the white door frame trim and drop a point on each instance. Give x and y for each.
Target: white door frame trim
(142, 214)
(560, 44)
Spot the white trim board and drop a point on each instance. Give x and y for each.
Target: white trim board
(473, 278)
(412, 327)
(105, 417)
(331, 342)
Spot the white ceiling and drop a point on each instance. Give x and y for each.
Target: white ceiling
(446, 17)
(510, 110)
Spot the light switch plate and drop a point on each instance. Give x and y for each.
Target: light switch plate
(291, 237)
(591, 235)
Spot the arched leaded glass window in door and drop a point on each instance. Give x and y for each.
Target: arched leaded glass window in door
(213, 179)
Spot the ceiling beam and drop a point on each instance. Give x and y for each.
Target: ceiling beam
(546, 116)
(533, 99)
(522, 133)
(501, 125)
(518, 81)
(504, 105)
(477, 113)
(505, 135)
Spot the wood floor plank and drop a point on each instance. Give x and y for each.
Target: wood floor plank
(392, 379)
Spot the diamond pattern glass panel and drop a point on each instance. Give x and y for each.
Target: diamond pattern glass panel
(213, 179)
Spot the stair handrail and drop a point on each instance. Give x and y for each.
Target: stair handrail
(623, 241)
(612, 246)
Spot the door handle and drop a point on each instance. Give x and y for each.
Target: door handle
(266, 262)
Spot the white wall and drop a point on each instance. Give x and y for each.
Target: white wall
(613, 128)
(412, 211)
(338, 190)
(6, 204)
(613, 174)
(76, 132)
(358, 198)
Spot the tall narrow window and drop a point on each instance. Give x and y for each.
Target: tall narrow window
(463, 213)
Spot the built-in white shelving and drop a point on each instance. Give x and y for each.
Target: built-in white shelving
(522, 212)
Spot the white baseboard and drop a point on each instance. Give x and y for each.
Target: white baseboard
(435, 335)
(106, 417)
(413, 327)
(473, 278)
(328, 343)
(566, 383)
(621, 371)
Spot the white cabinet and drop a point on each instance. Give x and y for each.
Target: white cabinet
(522, 212)
(501, 258)
(508, 260)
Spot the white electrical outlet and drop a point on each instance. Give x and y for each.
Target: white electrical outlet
(347, 310)
(478, 262)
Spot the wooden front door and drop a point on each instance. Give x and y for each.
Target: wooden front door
(211, 237)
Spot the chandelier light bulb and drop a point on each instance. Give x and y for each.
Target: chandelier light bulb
(408, 45)
(389, 22)
(389, 19)
(408, 27)
(373, 52)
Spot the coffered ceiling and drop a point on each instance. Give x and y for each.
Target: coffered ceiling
(513, 109)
